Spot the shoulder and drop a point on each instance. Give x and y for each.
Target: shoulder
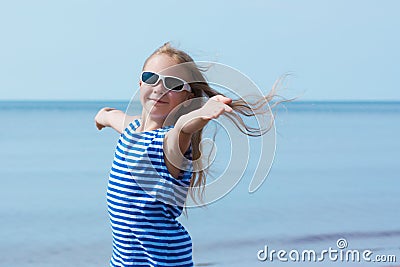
(132, 121)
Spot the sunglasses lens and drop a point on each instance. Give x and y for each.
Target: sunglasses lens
(149, 77)
(173, 84)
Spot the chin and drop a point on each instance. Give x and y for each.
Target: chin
(157, 111)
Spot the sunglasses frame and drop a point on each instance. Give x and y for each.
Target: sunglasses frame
(186, 86)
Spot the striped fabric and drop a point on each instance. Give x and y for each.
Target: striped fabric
(144, 200)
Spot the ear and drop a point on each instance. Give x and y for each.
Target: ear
(140, 83)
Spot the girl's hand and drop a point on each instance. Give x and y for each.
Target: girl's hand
(214, 107)
(197, 119)
(100, 119)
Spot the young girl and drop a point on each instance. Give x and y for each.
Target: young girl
(149, 181)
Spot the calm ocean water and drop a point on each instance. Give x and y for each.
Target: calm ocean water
(335, 175)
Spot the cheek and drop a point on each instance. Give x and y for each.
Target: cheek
(143, 91)
(142, 95)
(176, 98)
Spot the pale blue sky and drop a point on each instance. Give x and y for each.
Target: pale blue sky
(94, 49)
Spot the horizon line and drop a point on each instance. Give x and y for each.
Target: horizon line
(128, 100)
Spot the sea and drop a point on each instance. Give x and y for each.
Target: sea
(332, 187)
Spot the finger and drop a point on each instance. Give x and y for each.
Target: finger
(218, 97)
(224, 99)
(228, 108)
(228, 100)
(224, 108)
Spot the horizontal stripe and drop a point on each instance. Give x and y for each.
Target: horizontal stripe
(129, 247)
(153, 169)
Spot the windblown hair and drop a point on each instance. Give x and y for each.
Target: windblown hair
(262, 105)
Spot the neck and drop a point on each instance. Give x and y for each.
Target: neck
(149, 123)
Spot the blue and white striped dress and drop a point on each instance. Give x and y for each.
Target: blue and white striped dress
(144, 200)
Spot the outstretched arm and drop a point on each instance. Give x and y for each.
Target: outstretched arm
(114, 118)
(177, 140)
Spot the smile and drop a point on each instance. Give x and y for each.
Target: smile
(158, 101)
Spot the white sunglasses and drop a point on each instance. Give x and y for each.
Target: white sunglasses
(170, 82)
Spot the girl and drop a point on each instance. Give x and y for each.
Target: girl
(149, 179)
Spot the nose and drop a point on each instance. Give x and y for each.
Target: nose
(159, 88)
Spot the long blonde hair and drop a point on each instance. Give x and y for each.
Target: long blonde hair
(247, 108)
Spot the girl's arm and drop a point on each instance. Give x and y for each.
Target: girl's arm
(114, 118)
(177, 140)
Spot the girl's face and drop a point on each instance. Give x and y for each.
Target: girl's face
(157, 100)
